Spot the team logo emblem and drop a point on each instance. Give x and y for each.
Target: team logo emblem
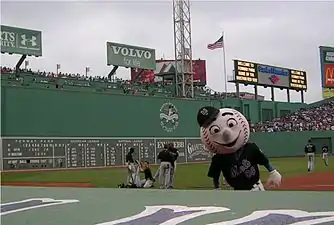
(274, 79)
(169, 117)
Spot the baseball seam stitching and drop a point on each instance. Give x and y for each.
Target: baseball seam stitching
(244, 126)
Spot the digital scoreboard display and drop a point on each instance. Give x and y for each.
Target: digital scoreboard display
(245, 72)
(269, 76)
(298, 80)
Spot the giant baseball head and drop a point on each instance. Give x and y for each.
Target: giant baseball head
(222, 130)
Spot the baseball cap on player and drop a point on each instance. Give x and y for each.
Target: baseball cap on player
(206, 115)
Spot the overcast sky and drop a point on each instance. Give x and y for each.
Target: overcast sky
(278, 33)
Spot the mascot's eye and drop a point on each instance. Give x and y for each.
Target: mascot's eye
(214, 129)
(231, 123)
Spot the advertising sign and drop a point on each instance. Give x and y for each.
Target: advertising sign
(168, 66)
(327, 93)
(273, 76)
(246, 72)
(16, 40)
(130, 56)
(327, 66)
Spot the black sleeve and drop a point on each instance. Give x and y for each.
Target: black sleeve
(159, 156)
(215, 168)
(305, 149)
(260, 157)
(313, 148)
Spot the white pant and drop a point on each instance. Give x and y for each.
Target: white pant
(258, 186)
(324, 155)
(146, 183)
(310, 161)
(325, 158)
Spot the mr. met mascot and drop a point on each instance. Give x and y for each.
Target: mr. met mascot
(225, 132)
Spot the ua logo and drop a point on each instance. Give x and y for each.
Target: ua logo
(176, 214)
(33, 203)
(32, 40)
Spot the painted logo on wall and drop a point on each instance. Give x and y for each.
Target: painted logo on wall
(169, 117)
(177, 214)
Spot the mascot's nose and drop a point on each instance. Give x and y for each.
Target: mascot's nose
(226, 135)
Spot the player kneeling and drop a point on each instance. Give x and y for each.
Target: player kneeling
(148, 180)
(136, 182)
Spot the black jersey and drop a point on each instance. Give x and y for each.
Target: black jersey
(129, 158)
(240, 169)
(165, 156)
(325, 149)
(148, 174)
(309, 148)
(174, 154)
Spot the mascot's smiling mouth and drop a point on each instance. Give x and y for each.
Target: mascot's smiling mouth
(231, 144)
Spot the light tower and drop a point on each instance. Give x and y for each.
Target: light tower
(182, 49)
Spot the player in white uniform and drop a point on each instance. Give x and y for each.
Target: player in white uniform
(310, 153)
(325, 152)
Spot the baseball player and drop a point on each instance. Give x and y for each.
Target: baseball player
(148, 181)
(325, 152)
(310, 153)
(174, 154)
(164, 170)
(132, 171)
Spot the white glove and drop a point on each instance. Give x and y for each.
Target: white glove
(274, 179)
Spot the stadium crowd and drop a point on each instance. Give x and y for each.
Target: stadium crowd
(306, 119)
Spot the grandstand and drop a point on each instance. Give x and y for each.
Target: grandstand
(66, 81)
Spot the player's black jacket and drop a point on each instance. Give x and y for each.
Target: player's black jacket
(309, 148)
(240, 169)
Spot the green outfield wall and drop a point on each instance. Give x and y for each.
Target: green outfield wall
(28, 111)
(278, 144)
(36, 112)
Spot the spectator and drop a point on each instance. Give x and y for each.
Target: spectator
(305, 119)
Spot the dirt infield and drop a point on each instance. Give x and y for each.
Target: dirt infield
(48, 184)
(310, 182)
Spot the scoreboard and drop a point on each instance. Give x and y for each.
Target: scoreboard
(265, 75)
(298, 79)
(62, 153)
(245, 71)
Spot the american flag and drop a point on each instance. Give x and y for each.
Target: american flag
(217, 44)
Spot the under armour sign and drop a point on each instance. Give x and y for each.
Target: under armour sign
(21, 41)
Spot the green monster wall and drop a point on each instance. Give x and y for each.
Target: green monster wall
(31, 112)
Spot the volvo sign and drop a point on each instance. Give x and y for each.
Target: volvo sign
(130, 56)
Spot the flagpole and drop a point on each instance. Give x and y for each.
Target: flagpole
(225, 72)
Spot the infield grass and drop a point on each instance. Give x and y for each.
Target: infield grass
(188, 176)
